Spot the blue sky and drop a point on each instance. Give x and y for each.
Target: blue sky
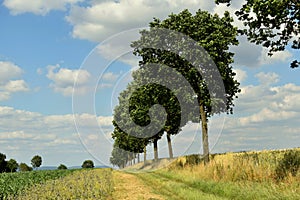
(44, 46)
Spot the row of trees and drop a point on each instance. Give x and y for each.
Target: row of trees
(159, 48)
(12, 165)
(272, 24)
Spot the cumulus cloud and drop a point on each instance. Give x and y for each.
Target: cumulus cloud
(10, 81)
(241, 75)
(104, 18)
(66, 81)
(8, 71)
(38, 7)
(280, 56)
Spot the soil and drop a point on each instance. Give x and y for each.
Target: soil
(129, 187)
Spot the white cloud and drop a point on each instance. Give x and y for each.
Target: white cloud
(38, 7)
(16, 86)
(10, 81)
(64, 80)
(8, 71)
(267, 115)
(280, 56)
(241, 75)
(104, 18)
(267, 79)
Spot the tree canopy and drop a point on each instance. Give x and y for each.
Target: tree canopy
(88, 164)
(62, 166)
(12, 165)
(185, 68)
(23, 167)
(275, 24)
(215, 35)
(36, 161)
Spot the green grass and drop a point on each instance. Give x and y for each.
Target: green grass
(14, 183)
(176, 186)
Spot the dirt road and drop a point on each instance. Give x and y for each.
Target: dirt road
(129, 187)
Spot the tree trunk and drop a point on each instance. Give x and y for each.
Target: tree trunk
(204, 134)
(134, 159)
(145, 154)
(155, 150)
(138, 157)
(170, 145)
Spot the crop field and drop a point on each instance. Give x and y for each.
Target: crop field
(82, 184)
(12, 184)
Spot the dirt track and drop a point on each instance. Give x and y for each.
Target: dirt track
(129, 187)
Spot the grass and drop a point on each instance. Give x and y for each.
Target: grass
(245, 175)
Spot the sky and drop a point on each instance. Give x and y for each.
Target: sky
(64, 62)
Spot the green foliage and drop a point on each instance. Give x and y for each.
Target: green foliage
(215, 35)
(62, 166)
(23, 167)
(275, 23)
(3, 163)
(36, 161)
(289, 164)
(12, 165)
(88, 164)
(13, 184)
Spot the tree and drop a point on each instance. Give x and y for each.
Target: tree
(12, 165)
(3, 163)
(62, 166)
(23, 167)
(215, 35)
(88, 164)
(36, 161)
(275, 24)
(128, 136)
(140, 101)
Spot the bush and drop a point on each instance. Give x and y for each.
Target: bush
(88, 164)
(289, 164)
(23, 167)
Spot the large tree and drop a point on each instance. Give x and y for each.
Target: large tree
(275, 24)
(215, 35)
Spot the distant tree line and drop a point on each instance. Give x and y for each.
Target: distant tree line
(12, 165)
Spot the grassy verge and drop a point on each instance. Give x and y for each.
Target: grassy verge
(245, 175)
